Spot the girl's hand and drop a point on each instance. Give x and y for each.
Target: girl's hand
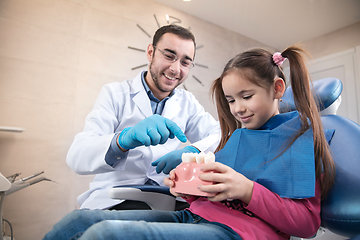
(228, 184)
(170, 182)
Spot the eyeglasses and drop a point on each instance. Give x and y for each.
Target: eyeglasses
(185, 63)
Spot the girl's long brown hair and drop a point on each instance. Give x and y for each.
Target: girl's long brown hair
(258, 67)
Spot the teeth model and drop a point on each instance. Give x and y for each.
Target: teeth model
(187, 180)
(198, 157)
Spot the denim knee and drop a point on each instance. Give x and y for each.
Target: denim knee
(72, 225)
(115, 229)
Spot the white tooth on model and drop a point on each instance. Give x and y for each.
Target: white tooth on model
(209, 157)
(192, 157)
(185, 157)
(200, 158)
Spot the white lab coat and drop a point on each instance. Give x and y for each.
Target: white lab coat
(121, 105)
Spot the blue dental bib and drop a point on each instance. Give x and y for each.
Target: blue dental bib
(259, 155)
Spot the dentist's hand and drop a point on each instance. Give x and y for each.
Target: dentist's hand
(169, 161)
(150, 131)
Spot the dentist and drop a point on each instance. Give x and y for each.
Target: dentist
(133, 134)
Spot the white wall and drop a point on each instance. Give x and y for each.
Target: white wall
(341, 65)
(334, 42)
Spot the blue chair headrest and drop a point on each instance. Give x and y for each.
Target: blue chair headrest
(340, 210)
(325, 91)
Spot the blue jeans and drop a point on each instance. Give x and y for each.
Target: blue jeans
(139, 225)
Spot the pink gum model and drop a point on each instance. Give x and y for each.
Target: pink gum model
(187, 179)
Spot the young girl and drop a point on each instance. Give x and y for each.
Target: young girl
(247, 95)
(268, 177)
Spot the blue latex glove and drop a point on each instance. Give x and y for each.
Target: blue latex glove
(169, 161)
(150, 131)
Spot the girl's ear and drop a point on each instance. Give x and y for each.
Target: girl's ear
(279, 88)
(150, 52)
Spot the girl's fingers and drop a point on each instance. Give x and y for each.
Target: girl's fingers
(168, 182)
(218, 189)
(212, 177)
(215, 166)
(218, 197)
(213, 172)
(172, 174)
(227, 183)
(213, 188)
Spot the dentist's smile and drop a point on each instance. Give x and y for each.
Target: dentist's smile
(170, 78)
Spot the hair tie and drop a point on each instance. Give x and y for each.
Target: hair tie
(278, 59)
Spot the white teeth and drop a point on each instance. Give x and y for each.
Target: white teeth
(198, 157)
(185, 157)
(171, 78)
(188, 157)
(209, 157)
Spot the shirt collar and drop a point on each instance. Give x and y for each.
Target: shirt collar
(278, 119)
(149, 92)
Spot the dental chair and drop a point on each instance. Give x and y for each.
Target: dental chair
(11, 184)
(340, 210)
